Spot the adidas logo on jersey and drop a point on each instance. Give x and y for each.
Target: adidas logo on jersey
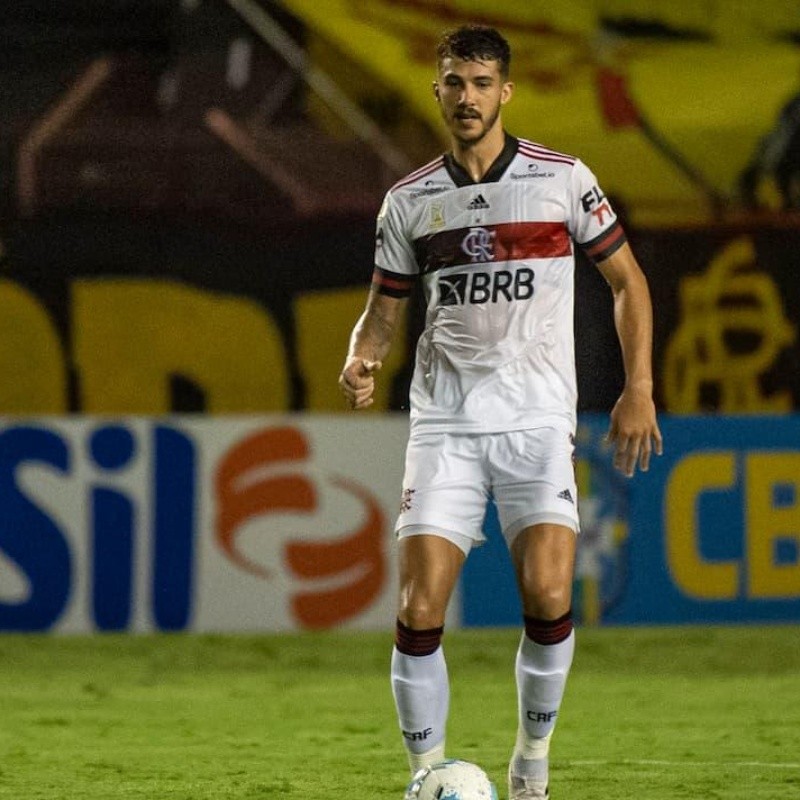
(566, 495)
(477, 202)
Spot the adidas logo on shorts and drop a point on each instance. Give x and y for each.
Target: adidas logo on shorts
(566, 495)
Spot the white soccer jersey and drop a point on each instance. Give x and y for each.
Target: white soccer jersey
(497, 263)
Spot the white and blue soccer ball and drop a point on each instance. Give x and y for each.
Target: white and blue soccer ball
(453, 779)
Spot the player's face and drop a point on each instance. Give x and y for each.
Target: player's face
(470, 94)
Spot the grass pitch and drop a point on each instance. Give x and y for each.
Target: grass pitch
(650, 714)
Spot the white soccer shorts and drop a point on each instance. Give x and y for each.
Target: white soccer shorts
(450, 477)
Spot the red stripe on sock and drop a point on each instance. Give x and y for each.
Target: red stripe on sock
(548, 631)
(417, 642)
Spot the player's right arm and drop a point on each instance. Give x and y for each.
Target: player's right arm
(369, 343)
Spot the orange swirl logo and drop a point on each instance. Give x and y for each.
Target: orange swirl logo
(259, 477)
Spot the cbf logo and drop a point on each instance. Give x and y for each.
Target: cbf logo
(478, 244)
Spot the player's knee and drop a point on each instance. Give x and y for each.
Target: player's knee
(546, 599)
(419, 612)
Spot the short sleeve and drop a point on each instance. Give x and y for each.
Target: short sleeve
(593, 223)
(396, 268)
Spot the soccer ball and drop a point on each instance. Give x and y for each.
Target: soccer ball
(453, 779)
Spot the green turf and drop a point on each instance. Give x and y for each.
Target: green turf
(650, 714)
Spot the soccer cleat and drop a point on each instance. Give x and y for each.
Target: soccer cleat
(526, 789)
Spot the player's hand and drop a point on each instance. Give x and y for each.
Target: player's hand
(634, 431)
(357, 381)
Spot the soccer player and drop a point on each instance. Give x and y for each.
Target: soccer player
(490, 229)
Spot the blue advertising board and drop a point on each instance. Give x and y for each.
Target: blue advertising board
(710, 534)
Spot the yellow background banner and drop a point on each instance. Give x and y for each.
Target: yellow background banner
(710, 101)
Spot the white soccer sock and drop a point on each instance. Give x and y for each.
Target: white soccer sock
(541, 671)
(421, 692)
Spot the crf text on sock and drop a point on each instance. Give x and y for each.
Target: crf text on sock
(541, 716)
(418, 736)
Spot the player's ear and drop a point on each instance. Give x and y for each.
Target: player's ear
(506, 92)
(436, 89)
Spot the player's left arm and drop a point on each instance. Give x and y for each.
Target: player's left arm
(634, 427)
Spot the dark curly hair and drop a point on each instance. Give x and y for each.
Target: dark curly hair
(474, 43)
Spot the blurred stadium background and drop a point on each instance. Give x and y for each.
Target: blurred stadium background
(187, 212)
(188, 200)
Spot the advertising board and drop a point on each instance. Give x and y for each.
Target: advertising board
(188, 523)
(271, 523)
(710, 534)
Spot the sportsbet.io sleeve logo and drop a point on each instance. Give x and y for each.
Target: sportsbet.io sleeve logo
(266, 474)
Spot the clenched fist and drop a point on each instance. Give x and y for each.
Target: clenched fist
(357, 381)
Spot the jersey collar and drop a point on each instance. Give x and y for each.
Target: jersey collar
(462, 178)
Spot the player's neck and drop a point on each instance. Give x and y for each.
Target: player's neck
(477, 158)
